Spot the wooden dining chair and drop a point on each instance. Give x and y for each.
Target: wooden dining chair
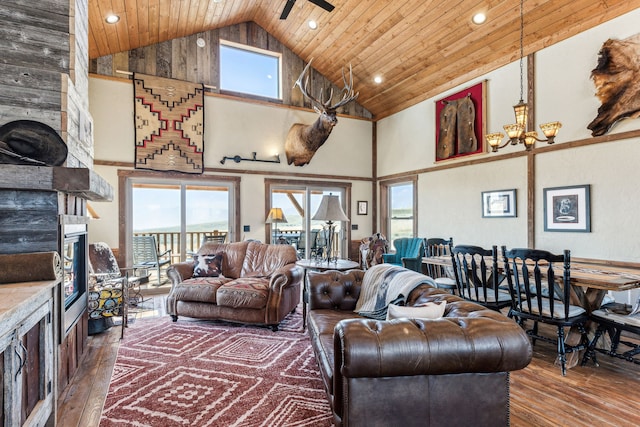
(540, 285)
(477, 276)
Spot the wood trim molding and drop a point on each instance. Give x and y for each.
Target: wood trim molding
(228, 172)
(248, 99)
(539, 150)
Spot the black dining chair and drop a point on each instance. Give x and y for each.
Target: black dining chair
(478, 277)
(540, 285)
(614, 321)
(443, 276)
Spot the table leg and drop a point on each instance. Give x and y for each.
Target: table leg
(590, 300)
(305, 297)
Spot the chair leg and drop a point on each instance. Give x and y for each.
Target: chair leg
(561, 351)
(591, 348)
(535, 333)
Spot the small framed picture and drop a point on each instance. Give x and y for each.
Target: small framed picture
(499, 204)
(567, 208)
(363, 207)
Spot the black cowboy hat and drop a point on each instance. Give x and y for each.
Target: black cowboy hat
(27, 142)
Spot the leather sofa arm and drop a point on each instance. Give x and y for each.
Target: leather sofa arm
(450, 345)
(287, 275)
(179, 272)
(334, 290)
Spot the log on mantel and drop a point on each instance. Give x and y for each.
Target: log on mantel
(81, 182)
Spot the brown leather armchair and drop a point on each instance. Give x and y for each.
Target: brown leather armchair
(255, 283)
(451, 371)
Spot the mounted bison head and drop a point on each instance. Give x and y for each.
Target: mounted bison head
(616, 79)
(304, 140)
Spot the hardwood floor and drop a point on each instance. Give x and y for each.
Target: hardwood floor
(605, 395)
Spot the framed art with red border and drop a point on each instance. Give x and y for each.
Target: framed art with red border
(460, 123)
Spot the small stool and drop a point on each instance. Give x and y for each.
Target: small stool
(446, 283)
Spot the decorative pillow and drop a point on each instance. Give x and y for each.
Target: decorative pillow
(208, 265)
(429, 310)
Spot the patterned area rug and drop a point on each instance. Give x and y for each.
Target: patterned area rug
(169, 119)
(201, 373)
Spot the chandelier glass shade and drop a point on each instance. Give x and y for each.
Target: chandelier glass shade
(517, 133)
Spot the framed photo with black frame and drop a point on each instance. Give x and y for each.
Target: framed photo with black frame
(499, 204)
(567, 208)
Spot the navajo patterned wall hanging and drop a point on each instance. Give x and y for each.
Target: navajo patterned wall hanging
(169, 121)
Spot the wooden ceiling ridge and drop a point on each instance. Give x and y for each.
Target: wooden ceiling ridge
(421, 49)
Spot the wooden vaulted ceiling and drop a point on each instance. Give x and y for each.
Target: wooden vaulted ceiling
(419, 47)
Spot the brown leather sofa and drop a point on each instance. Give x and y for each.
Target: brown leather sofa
(258, 284)
(452, 371)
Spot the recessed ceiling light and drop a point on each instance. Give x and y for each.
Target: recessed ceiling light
(479, 18)
(112, 19)
(377, 79)
(313, 24)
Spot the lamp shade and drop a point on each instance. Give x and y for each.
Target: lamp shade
(276, 216)
(330, 210)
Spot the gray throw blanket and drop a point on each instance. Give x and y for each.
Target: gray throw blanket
(384, 284)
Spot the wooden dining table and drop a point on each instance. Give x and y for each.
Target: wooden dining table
(591, 281)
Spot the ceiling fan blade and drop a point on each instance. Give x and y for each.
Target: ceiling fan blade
(287, 9)
(323, 4)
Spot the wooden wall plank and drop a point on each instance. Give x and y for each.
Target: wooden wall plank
(182, 59)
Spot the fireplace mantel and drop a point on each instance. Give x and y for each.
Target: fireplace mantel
(81, 182)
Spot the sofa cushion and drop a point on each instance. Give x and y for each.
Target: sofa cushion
(208, 265)
(234, 254)
(263, 260)
(430, 310)
(200, 289)
(245, 292)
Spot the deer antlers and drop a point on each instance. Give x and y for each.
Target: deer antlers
(320, 105)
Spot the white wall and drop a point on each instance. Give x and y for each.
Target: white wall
(449, 200)
(232, 128)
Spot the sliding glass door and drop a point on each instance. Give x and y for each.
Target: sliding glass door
(179, 214)
(299, 204)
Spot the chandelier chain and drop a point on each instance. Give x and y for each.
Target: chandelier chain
(521, 50)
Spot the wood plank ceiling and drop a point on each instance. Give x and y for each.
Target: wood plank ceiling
(419, 47)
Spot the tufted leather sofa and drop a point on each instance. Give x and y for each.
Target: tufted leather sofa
(453, 371)
(259, 284)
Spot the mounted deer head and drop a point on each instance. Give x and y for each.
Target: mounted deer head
(304, 140)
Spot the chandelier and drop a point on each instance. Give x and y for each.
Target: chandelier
(517, 132)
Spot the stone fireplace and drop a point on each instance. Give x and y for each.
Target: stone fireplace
(43, 208)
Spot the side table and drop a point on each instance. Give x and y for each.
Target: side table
(315, 265)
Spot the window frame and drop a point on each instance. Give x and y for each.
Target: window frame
(307, 186)
(385, 204)
(125, 203)
(255, 50)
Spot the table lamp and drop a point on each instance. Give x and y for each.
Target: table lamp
(330, 210)
(276, 216)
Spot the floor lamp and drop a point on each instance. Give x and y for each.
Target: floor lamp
(276, 216)
(330, 210)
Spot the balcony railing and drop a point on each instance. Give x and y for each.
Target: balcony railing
(171, 240)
